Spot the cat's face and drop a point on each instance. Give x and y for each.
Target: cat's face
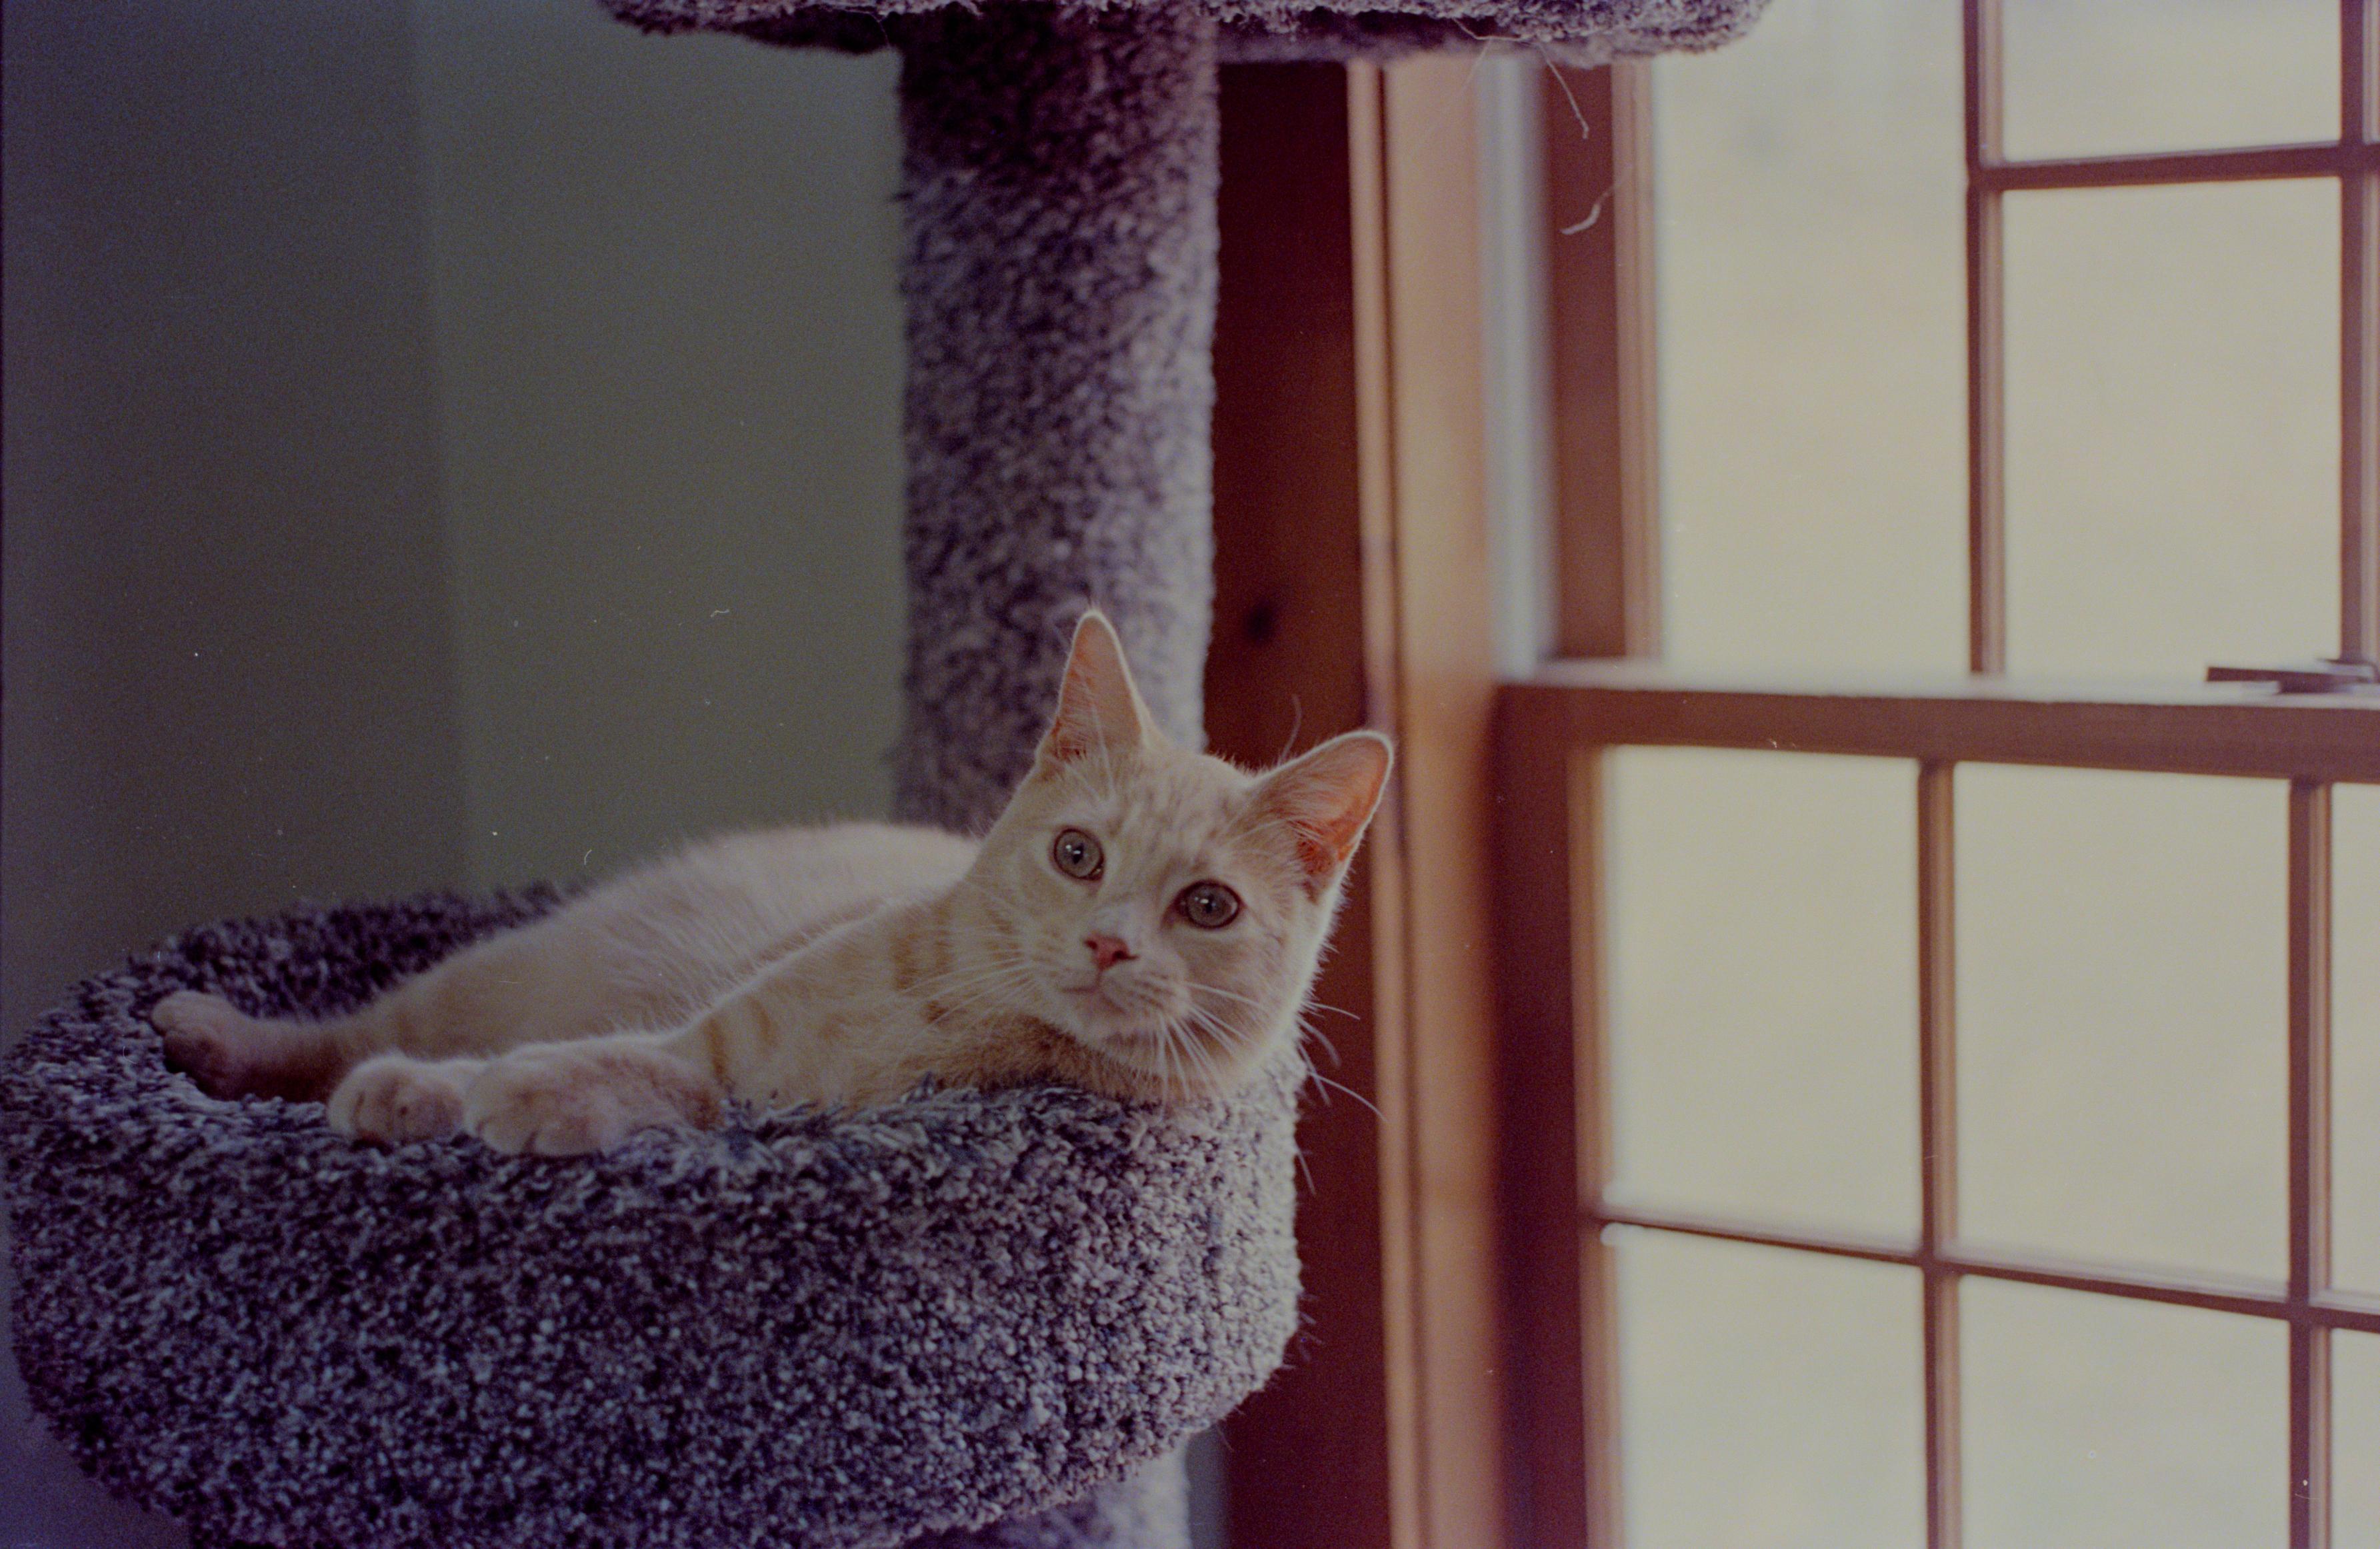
(1159, 907)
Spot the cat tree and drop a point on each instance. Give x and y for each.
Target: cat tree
(967, 1320)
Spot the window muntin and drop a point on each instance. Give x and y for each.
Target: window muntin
(2355, 1041)
(1567, 713)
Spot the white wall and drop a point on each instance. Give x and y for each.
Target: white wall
(668, 351)
(445, 444)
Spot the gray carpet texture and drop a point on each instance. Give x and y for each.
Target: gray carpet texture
(803, 1330)
(1572, 31)
(1058, 192)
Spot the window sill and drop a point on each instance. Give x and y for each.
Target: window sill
(2184, 728)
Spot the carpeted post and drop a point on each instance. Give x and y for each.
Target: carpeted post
(1059, 188)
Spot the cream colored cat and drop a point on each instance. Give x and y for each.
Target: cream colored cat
(1142, 920)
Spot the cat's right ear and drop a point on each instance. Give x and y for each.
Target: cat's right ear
(1099, 709)
(1326, 799)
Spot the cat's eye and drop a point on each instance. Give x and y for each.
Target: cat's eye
(1077, 854)
(1210, 905)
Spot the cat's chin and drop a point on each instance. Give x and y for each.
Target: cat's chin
(1095, 1018)
(1143, 1052)
(1147, 1063)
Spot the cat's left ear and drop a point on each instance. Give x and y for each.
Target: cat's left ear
(1327, 798)
(1099, 709)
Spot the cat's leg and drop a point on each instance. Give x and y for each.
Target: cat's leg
(231, 1053)
(567, 1099)
(522, 986)
(391, 1098)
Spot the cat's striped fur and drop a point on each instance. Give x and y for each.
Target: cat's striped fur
(843, 964)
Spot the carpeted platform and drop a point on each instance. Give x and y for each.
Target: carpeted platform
(805, 1330)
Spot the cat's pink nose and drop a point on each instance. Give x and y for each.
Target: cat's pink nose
(1109, 949)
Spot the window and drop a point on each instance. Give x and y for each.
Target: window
(1943, 1031)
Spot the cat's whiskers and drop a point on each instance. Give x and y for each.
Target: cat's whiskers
(1201, 1052)
(1177, 1074)
(982, 979)
(970, 975)
(1203, 1057)
(964, 1007)
(1226, 1033)
(1196, 987)
(1307, 1029)
(1183, 1054)
(1328, 1085)
(1264, 1012)
(960, 995)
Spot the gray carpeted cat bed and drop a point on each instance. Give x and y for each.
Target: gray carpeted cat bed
(973, 1318)
(800, 1331)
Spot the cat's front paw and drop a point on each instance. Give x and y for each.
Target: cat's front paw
(394, 1098)
(572, 1099)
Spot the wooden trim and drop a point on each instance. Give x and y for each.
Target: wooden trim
(1351, 558)
(1599, 280)
(1393, 1043)
(1308, 1455)
(2310, 1436)
(1938, 1137)
(2359, 71)
(1598, 1347)
(2241, 1295)
(2359, 342)
(2215, 729)
(2309, 1190)
(2359, 408)
(2248, 164)
(1428, 242)
(1987, 351)
(1551, 1158)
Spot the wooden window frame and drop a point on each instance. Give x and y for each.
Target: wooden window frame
(1552, 730)
(1352, 589)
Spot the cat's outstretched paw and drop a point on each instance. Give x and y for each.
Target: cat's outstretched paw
(229, 1053)
(567, 1100)
(394, 1098)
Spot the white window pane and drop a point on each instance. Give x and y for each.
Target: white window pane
(2172, 426)
(1769, 1399)
(1812, 342)
(2119, 1424)
(1762, 951)
(2122, 1015)
(2097, 78)
(2355, 1036)
(2355, 1441)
